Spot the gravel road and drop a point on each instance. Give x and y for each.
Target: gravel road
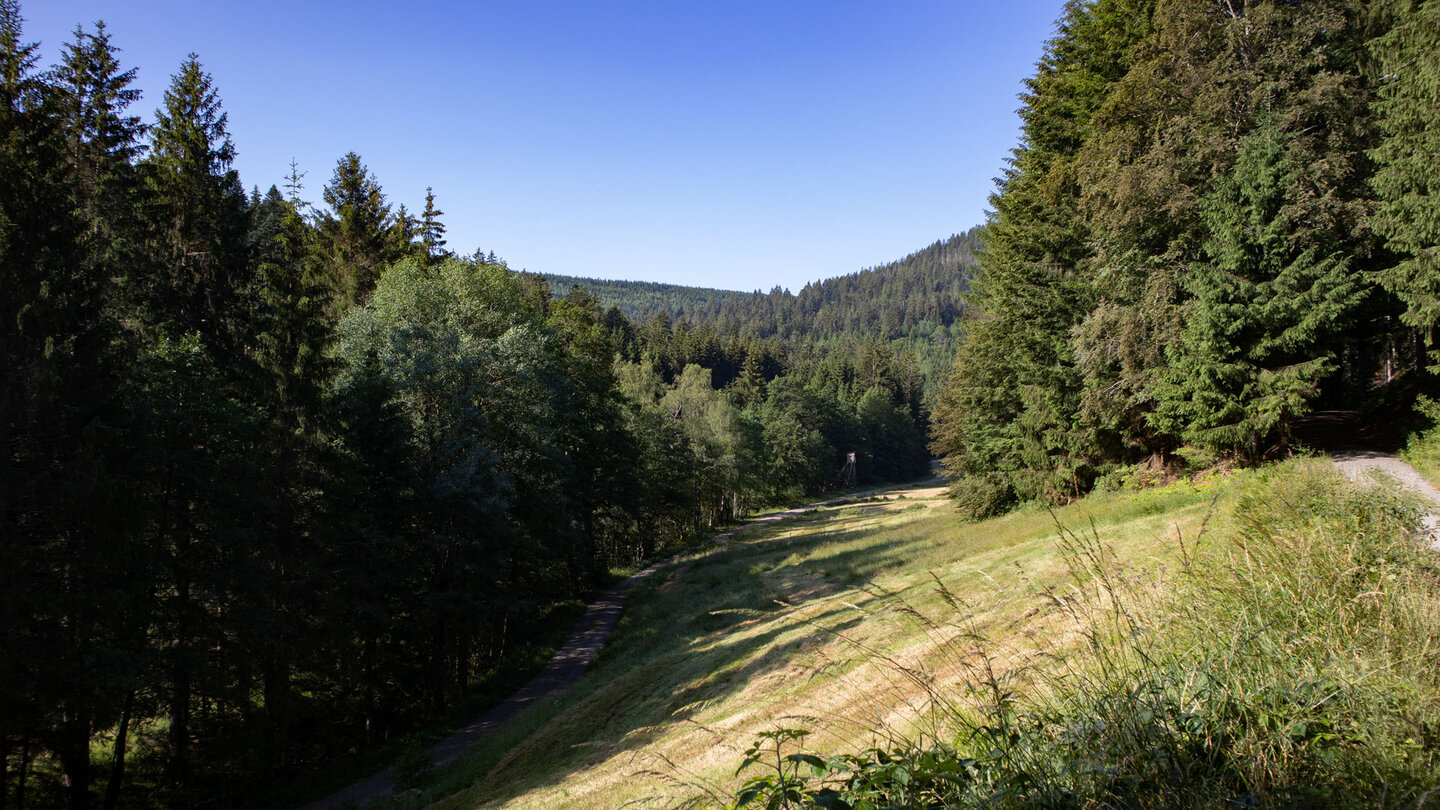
(1359, 465)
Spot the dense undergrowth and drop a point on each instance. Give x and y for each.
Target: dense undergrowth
(1291, 659)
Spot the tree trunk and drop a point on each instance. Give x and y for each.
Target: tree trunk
(462, 663)
(24, 775)
(367, 674)
(435, 676)
(117, 767)
(74, 753)
(277, 690)
(177, 768)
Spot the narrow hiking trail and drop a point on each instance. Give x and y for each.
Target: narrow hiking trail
(563, 669)
(1358, 465)
(1360, 449)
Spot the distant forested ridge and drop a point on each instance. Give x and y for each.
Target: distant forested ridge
(284, 480)
(1220, 217)
(888, 301)
(639, 299)
(912, 305)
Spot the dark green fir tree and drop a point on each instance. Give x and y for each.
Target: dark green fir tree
(357, 233)
(199, 217)
(1406, 182)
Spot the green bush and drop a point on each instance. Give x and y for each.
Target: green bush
(981, 496)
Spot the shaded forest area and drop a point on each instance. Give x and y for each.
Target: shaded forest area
(283, 480)
(1220, 217)
(913, 307)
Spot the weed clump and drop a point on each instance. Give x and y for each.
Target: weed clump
(413, 769)
(1291, 659)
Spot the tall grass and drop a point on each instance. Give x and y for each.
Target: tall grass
(1290, 659)
(1422, 448)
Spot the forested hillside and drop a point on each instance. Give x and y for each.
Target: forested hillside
(911, 305)
(1220, 217)
(888, 301)
(639, 299)
(283, 480)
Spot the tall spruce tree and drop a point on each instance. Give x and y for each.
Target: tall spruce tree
(357, 234)
(1007, 421)
(192, 386)
(103, 141)
(1275, 285)
(199, 215)
(432, 228)
(73, 592)
(292, 327)
(1405, 181)
(1267, 304)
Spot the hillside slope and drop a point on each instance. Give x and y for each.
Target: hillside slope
(886, 622)
(908, 311)
(921, 291)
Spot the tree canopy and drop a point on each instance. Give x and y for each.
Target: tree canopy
(1186, 251)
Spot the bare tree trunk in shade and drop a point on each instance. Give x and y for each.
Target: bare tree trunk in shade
(117, 768)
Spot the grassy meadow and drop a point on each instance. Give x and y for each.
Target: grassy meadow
(1266, 638)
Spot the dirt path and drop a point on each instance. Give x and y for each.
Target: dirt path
(564, 668)
(1357, 465)
(1360, 449)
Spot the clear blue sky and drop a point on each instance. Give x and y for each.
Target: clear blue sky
(723, 143)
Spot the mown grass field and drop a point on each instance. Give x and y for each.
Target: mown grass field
(1269, 637)
(834, 621)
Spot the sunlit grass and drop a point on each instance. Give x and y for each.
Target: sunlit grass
(801, 622)
(875, 625)
(1291, 659)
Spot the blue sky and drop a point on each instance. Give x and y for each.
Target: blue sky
(722, 143)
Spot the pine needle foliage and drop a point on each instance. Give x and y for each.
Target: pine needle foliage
(1184, 250)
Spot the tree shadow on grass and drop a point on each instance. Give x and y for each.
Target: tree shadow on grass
(682, 644)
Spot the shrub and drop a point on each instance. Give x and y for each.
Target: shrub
(981, 496)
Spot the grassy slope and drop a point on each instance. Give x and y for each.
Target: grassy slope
(733, 641)
(1296, 641)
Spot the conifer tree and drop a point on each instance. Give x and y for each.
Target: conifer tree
(199, 215)
(292, 332)
(357, 233)
(404, 236)
(1008, 418)
(293, 329)
(73, 592)
(749, 387)
(294, 184)
(1276, 283)
(432, 229)
(1405, 181)
(1265, 306)
(102, 145)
